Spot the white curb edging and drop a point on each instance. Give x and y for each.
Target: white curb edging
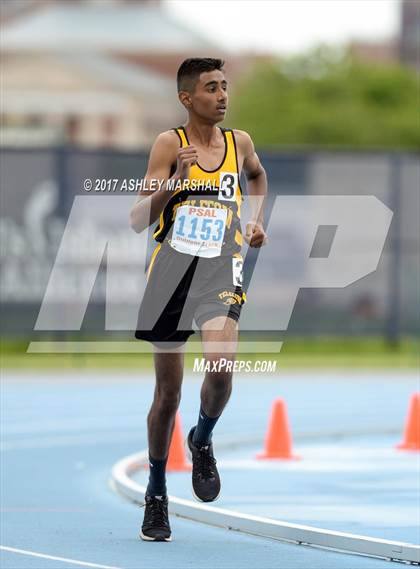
(259, 526)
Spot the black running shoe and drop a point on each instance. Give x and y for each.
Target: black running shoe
(205, 478)
(156, 522)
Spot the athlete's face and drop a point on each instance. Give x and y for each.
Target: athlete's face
(210, 99)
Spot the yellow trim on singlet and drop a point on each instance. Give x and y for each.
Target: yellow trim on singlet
(229, 164)
(161, 225)
(181, 134)
(238, 238)
(152, 259)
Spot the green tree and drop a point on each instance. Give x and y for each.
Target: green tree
(328, 98)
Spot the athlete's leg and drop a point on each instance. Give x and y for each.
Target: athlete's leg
(219, 337)
(160, 421)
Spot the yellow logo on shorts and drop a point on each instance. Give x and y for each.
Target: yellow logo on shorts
(231, 297)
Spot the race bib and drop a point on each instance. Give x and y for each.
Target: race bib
(199, 231)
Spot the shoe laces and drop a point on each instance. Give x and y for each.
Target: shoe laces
(156, 510)
(206, 463)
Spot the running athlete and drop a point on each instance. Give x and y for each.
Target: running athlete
(195, 271)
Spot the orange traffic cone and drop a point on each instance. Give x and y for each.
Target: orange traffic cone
(411, 439)
(278, 440)
(177, 461)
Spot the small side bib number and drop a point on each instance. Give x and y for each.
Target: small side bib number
(237, 265)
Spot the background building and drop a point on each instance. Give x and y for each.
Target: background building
(404, 48)
(409, 51)
(91, 73)
(95, 74)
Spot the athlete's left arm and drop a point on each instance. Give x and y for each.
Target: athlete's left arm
(256, 177)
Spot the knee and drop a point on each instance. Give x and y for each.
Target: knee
(220, 377)
(168, 399)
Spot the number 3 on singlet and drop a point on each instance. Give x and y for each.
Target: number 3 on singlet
(228, 182)
(237, 266)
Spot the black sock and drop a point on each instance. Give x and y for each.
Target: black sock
(204, 429)
(157, 477)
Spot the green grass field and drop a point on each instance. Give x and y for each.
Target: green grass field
(324, 352)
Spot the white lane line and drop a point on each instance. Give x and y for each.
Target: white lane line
(122, 483)
(54, 558)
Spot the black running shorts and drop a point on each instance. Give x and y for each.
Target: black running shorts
(181, 288)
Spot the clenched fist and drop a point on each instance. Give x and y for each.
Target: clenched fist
(186, 157)
(255, 235)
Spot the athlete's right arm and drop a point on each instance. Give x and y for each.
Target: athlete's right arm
(164, 153)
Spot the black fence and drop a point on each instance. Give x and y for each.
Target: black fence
(39, 187)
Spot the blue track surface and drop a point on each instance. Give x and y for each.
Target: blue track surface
(62, 433)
